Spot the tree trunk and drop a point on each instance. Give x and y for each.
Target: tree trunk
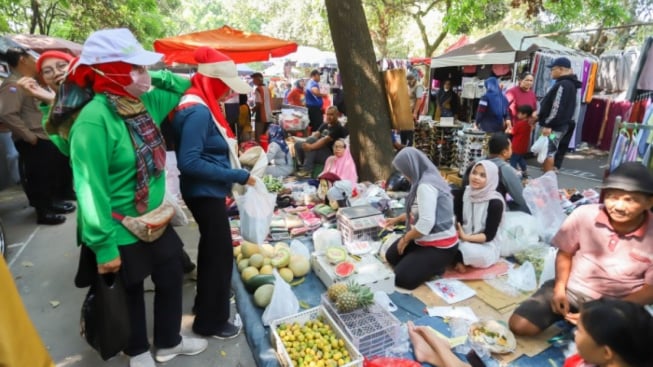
(367, 106)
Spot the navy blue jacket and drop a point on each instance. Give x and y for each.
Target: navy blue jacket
(558, 106)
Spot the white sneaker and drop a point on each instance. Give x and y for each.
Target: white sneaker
(188, 346)
(142, 360)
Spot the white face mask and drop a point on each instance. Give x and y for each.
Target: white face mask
(141, 83)
(446, 89)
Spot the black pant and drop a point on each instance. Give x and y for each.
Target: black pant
(418, 263)
(563, 146)
(407, 137)
(214, 264)
(308, 158)
(315, 117)
(44, 172)
(167, 278)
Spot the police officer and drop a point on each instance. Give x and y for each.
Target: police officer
(41, 162)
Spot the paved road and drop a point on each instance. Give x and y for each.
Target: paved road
(43, 260)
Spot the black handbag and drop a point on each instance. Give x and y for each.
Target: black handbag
(105, 317)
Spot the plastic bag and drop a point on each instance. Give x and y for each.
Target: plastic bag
(256, 207)
(543, 200)
(255, 158)
(298, 248)
(518, 231)
(180, 218)
(541, 148)
(284, 302)
(548, 265)
(104, 318)
(523, 277)
(324, 238)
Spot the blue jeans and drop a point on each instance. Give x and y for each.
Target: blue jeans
(518, 160)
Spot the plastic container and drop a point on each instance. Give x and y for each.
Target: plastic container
(302, 318)
(359, 223)
(372, 330)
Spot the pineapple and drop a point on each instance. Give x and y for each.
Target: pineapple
(355, 297)
(335, 290)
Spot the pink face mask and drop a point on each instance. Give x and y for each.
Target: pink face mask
(141, 83)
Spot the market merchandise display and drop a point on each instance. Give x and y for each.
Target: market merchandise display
(438, 142)
(472, 146)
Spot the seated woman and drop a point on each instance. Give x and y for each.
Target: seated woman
(623, 342)
(279, 158)
(431, 244)
(341, 165)
(479, 217)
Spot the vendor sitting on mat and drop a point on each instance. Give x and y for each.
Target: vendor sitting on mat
(431, 244)
(499, 151)
(479, 217)
(622, 342)
(605, 250)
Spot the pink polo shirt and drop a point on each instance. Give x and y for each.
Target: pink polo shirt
(605, 263)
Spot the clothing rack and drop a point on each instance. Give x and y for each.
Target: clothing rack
(619, 125)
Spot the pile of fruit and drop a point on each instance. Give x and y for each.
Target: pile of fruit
(256, 264)
(313, 344)
(350, 296)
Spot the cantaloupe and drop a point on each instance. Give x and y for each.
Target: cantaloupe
(299, 265)
(267, 250)
(256, 261)
(242, 264)
(281, 257)
(286, 274)
(248, 272)
(263, 295)
(249, 249)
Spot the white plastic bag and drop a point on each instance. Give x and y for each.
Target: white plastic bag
(179, 219)
(518, 231)
(298, 248)
(324, 238)
(543, 200)
(523, 277)
(256, 207)
(540, 148)
(283, 303)
(549, 265)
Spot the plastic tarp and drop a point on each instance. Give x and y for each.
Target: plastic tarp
(241, 46)
(503, 47)
(40, 43)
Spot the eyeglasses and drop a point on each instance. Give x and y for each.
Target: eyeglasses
(49, 72)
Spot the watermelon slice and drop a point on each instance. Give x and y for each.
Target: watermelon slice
(344, 269)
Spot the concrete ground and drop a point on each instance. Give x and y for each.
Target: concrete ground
(43, 260)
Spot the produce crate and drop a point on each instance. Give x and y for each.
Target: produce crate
(369, 271)
(359, 223)
(302, 318)
(372, 330)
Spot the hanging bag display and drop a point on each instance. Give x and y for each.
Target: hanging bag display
(104, 319)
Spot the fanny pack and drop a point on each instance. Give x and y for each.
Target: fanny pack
(148, 227)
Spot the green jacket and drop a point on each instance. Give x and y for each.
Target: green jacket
(104, 165)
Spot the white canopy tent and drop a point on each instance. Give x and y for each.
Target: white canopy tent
(503, 47)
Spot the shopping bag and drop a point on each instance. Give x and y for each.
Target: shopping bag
(105, 317)
(517, 232)
(540, 148)
(283, 303)
(543, 200)
(256, 207)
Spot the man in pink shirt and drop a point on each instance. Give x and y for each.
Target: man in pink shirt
(605, 250)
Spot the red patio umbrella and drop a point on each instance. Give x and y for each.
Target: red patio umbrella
(241, 46)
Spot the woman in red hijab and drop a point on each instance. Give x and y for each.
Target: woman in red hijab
(118, 158)
(207, 160)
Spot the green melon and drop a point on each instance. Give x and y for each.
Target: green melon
(267, 250)
(286, 274)
(242, 264)
(256, 261)
(266, 269)
(299, 265)
(263, 295)
(281, 258)
(336, 254)
(249, 272)
(249, 249)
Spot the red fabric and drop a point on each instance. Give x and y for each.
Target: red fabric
(295, 97)
(85, 76)
(52, 54)
(240, 46)
(575, 361)
(210, 89)
(517, 97)
(521, 136)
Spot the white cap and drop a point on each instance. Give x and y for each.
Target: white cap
(227, 72)
(109, 45)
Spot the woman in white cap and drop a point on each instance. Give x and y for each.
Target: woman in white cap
(207, 160)
(118, 159)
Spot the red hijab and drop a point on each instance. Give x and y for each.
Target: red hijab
(110, 77)
(210, 89)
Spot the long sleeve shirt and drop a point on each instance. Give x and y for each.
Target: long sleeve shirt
(19, 112)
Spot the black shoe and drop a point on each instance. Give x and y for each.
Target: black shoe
(227, 331)
(50, 219)
(62, 207)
